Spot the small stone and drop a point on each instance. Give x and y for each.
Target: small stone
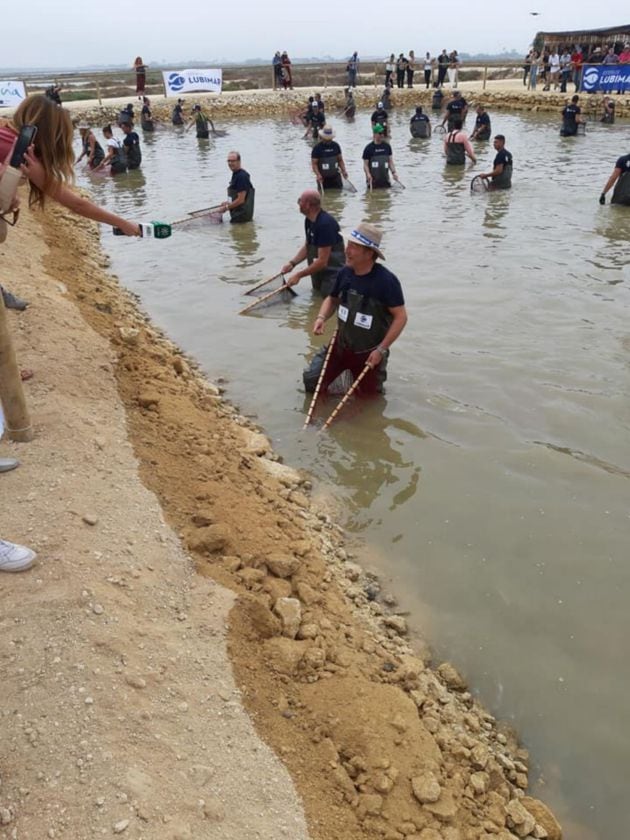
(148, 399)
(212, 539)
(281, 565)
(135, 681)
(129, 335)
(479, 782)
(89, 701)
(5, 816)
(120, 826)
(213, 809)
(543, 817)
(451, 677)
(352, 571)
(202, 518)
(90, 518)
(97, 609)
(426, 787)
(397, 623)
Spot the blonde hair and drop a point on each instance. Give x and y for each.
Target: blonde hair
(53, 142)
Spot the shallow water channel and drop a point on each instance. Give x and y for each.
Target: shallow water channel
(491, 483)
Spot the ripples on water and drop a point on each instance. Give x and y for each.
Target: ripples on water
(491, 482)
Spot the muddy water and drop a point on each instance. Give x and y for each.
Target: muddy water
(491, 483)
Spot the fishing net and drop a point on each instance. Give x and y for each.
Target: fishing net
(478, 185)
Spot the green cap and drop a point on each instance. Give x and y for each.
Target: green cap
(378, 129)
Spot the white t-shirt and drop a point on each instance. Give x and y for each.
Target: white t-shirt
(554, 63)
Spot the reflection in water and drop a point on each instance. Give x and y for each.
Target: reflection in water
(498, 203)
(245, 245)
(613, 224)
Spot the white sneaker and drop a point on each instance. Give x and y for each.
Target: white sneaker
(15, 558)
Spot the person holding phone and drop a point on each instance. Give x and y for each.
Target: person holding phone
(48, 162)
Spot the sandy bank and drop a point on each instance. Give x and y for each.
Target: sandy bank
(120, 712)
(500, 95)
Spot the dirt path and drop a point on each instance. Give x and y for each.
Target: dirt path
(120, 712)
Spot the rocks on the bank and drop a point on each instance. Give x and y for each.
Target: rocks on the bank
(426, 788)
(289, 611)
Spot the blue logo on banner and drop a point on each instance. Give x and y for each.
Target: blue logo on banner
(605, 77)
(176, 82)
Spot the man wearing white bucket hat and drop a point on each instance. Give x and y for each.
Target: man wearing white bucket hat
(327, 161)
(371, 314)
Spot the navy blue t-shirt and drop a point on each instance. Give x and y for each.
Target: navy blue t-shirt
(503, 157)
(240, 182)
(570, 113)
(482, 119)
(131, 140)
(379, 284)
(326, 150)
(323, 232)
(379, 116)
(623, 163)
(419, 118)
(456, 107)
(376, 149)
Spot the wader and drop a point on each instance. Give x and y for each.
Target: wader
(324, 280)
(244, 213)
(420, 128)
(504, 180)
(621, 193)
(362, 324)
(484, 133)
(119, 164)
(134, 156)
(99, 154)
(455, 152)
(329, 169)
(201, 126)
(147, 125)
(379, 170)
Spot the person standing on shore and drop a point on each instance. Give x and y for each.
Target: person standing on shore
(322, 249)
(352, 68)
(453, 68)
(390, 66)
(131, 145)
(401, 70)
(115, 156)
(411, 68)
(371, 315)
(533, 73)
(577, 60)
(327, 161)
(428, 70)
(527, 66)
(501, 174)
(620, 178)
(91, 147)
(378, 161)
(287, 72)
(141, 76)
(442, 68)
(276, 63)
(240, 190)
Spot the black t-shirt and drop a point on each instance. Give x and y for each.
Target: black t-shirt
(380, 116)
(623, 163)
(503, 157)
(146, 112)
(570, 112)
(240, 181)
(323, 232)
(379, 284)
(326, 150)
(420, 118)
(318, 119)
(131, 140)
(456, 107)
(375, 149)
(482, 119)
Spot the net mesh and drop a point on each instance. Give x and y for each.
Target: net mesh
(478, 185)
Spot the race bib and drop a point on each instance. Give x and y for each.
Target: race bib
(362, 320)
(342, 312)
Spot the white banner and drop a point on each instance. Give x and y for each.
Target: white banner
(11, 93)
(185, 81)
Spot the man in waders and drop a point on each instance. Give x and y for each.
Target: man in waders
(501, 175)
(457, 146)
(91, 147)
(483, 128)
(131, 144)
(200, 120)
(240, 190)
(322, 248)
(370, 307)
(380, 117)
(420, 124)
(456, 109)
(571, 118)
(177, 115)
(378, 161)
(327, 161)
(621, 179)
(115, 153)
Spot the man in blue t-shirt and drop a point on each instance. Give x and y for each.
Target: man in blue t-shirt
(327, 161)
(571, 118)
(131, 144)
(240, 190)
(482, 129)
(620, 178)
(371, 314)
(501, 175)
(456, 109)
(322, 248)
(378, 160)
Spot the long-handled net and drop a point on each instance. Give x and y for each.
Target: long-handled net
(479, 184)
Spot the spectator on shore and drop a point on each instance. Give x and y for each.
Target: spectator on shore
(352, 69)
(443, 61)
(390, 66)
(577, 60)
(428, 70)
(141, 76)
(115, 156)
(457, 146)
(554, 70)
(544, 69)
(453, 68)
(277, 70)
(621, 178)
(287, 73)
(565, 69)
(401, 70)
(411, 68)
(533, 73)
(91, 147)
(611, 57)
(527, 66)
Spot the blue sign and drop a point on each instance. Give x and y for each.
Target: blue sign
(607, 78)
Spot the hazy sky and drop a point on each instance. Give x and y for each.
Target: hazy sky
(68, 33)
